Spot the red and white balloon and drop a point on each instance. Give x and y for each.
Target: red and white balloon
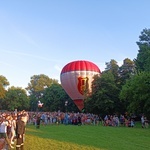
(76, 77)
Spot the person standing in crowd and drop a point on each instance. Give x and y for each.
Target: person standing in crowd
(79, 120)
(66, 119)
(13, 129)
(20, 131)
(146, 122)
(38, 121)
(143, 121)
(3, 130)
(43, 119)
(132, 123)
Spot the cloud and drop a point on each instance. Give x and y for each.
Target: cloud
(6, 64)
(30, 55)
(57, 68)
(27, 38)
(9, 23)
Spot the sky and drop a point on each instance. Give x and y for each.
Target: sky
(42, 36)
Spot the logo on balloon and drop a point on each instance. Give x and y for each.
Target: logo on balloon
(83, 85)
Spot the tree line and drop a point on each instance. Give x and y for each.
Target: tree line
(119, 89)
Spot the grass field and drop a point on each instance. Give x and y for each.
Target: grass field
(86, 137)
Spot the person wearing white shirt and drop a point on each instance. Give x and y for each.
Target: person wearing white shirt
(3, 130)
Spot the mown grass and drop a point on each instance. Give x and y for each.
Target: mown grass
(87, 137)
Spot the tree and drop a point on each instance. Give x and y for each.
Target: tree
(136, 94)
(112, 66)
(54, 99)
(106, 89)
(104, 98)
(38, 83)
(126, 70)
(16, 98)
(142, 61)
(36, 88)
(3, 84)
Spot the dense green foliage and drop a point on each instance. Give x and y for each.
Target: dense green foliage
(104, 98)
(54, 99)
(16, 98)
(136, 93)
(143, 58)
(106, 88)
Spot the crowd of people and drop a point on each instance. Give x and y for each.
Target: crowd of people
(12, 130)
(52, 118)
(56, 118)
(12, 124)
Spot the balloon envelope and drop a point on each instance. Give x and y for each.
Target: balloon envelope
(76, 77)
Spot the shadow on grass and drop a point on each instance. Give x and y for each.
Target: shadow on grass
(68, 134)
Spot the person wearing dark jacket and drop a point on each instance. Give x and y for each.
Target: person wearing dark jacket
(38, 120)
(20, 131)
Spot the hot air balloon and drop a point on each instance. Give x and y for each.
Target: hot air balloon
(76, 78)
